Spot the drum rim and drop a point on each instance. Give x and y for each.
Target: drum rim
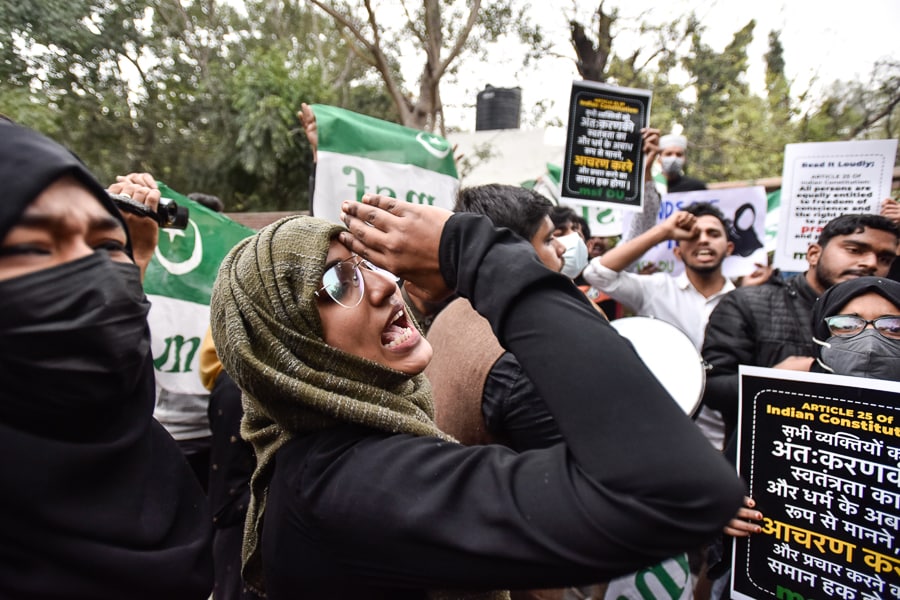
(695, 407)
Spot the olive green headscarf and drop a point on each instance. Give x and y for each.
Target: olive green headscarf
(267, 331)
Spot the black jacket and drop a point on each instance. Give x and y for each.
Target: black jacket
(358, 513)
(684, 184)
(758, 326)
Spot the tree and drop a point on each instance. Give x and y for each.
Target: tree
(596, 60)
(195, 92)
(592, 55)
(64, 56)
(734, 133)
(444, 33)
(205, 96)
(649, 66)
(858, 110)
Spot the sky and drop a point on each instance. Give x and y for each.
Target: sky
(824, 41)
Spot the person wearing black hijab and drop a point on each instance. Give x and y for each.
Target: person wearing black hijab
(853, 344)
(98, 501)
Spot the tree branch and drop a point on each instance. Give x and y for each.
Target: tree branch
(868, 122)
(461, 39)
(345, 23)
(383, 67)
(372, 54)
(411, 24)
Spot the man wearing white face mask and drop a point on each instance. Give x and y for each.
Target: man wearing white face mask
(672, 157)
(568, 232)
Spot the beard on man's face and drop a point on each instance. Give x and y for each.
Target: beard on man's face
(704, 269)
(826, 280)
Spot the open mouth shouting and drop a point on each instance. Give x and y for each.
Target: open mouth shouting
(399, 332)
(378, 327)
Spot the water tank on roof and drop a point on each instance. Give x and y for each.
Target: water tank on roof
(498, 108)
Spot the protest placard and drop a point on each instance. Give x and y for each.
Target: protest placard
(604, 160)
(823, 180)
(745, 208)
(821, 456)
(362, 155)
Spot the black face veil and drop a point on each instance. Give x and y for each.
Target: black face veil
(98, 501)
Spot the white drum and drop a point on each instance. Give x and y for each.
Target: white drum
(670, 355)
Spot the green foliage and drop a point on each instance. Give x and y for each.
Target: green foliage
(199, 94)
(204, 95)
(865, 110)
(735, 134)
(724, 114)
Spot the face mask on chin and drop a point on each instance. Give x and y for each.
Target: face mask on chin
(867, 354)
(75, 340)
(672, 165)
(575, 256)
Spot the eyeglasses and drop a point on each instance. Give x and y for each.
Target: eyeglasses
(343, 282)
(850, 325)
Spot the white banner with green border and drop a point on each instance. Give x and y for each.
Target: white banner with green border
(360, 155)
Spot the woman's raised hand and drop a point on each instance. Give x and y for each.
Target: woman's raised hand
(401, 237)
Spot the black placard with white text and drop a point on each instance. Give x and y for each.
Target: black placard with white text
(604, 160)
(821, 456)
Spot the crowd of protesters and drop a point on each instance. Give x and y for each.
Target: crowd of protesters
(359, 457)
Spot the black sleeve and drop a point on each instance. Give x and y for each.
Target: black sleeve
(513, 411)
(311, 187)
(231, 458)
(633, 483)
(578, 364)
(727, 344)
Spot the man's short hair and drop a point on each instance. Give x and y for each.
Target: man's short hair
(516, 208)
(560, 215)
(856, 223)
(585, 228)
(700, 209)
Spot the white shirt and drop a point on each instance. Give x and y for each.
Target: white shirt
(671, 299)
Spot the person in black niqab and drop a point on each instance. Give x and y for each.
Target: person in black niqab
(867, 353)
(98, 501)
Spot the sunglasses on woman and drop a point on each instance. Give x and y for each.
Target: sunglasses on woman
(343, 282)
(850, 325)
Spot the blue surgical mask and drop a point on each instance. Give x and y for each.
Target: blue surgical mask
(575, 256)
(866, 354)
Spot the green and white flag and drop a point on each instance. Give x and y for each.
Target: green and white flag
(359, 155)
(774, 211)
(179, 283)
(669, 580)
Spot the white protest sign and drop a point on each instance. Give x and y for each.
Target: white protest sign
(824, 180)
(744, 207)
